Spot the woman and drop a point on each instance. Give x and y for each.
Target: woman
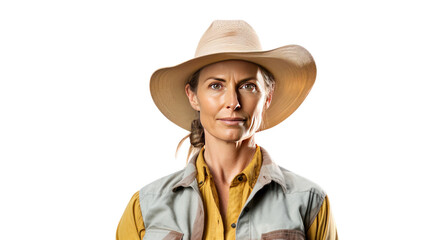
(231, 189)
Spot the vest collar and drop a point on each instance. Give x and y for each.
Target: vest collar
(270, 171)
(189, 175)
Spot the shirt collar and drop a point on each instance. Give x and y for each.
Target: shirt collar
(250, 172)
(202, 168)
(252, 169)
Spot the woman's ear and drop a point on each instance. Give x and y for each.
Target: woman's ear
(193, 100)
(268, 100)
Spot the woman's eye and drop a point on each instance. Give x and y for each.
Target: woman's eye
(215, 86)
(248, 86)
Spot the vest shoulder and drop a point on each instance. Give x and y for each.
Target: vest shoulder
(296, 183)
(293, 182)
(164, 184)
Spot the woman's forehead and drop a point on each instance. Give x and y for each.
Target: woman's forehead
(237, 67)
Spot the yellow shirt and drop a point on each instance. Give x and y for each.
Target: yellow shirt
(131, 226)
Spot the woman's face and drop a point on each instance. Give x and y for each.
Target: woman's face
(231, 98)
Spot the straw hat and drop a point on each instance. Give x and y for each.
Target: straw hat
(292, 66)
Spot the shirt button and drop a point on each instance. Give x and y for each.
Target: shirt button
(240, 178)
(233, 225)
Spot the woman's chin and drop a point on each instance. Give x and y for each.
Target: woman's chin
(234, 136)
(228, 134)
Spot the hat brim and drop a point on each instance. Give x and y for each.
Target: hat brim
(292, 66)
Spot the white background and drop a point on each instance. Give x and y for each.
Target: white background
(79, 133)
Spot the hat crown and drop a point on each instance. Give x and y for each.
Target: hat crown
(228, 36)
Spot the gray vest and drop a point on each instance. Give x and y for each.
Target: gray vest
(282, 205)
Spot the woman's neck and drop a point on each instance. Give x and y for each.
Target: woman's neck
(227, 159)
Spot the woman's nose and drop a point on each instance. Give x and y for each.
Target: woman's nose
(232, 101)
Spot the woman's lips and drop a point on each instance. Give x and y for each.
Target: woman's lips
(232, 121)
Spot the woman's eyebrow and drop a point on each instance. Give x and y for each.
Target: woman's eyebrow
(246, 79)
(223, 80)
(215, 78)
